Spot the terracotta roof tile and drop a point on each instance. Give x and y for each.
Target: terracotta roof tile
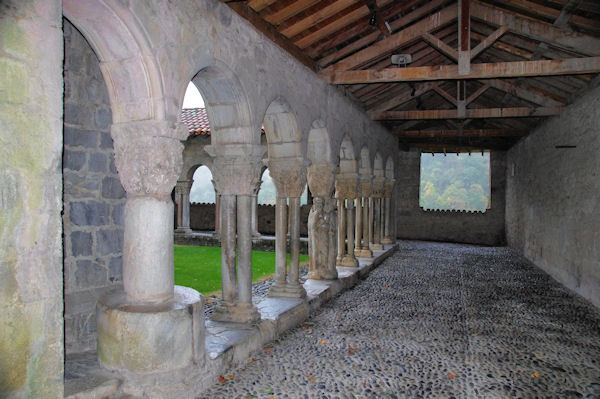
(197, 123)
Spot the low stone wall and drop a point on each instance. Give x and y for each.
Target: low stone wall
(414, 223)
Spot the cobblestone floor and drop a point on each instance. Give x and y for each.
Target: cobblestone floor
(435, 321)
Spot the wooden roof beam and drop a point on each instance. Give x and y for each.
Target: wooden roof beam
(536, 30)
(397, 40)
(440, 46)
(476, 113)
(460, 133)
(570, 66)
(535, 97)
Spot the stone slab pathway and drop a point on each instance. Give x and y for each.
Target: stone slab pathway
(435, 321)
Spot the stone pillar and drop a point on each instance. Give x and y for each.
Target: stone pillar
(322, 223)
(148, 156)
(365, 191)
(255, 232)
(388, 229)
(341, 230)
(236, 178)
(371, 220)
(217, 232)
(182, 196)
(289, 176)
(346, 187)
(359, 227)
(378, 191)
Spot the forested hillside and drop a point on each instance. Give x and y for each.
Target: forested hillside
(455, 182)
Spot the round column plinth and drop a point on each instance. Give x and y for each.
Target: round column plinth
(150, 338)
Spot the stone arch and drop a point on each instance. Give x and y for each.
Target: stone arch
(321, 171)
(347, 156)
(226, 105)
(133, 79)
(378, 170)
(282, 131)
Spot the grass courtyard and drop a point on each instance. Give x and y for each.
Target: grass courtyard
(200, 267)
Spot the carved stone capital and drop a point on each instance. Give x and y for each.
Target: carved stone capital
(346, 186)
(321, 179)
(378, 187)
(148, 156)
(236, 168)
(183, 187)
(289, 176)
(366, 186)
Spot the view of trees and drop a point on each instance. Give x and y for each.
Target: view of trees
(455, 182)
(203, 190)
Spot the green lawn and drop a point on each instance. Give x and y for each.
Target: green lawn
(200, 267)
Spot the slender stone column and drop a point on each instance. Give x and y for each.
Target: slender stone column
(359, 228)
(217, 231)
(289, 176)
(387, 222)
(255, 232)
(182, 197)
(371, 220)
(341, 230)
(365, 251)
(228, 247)
(236, 176)
(294, 287)
(349, 259)
(377, 224)
(281, 224)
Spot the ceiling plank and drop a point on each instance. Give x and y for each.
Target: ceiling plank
(285, 13)
(441, 46)
(570, 66)
(319, 16)
(474, 113)
(257, 5)
(332, 27)
(397, 40)
(504, 46)
(399, 100)
(535, 29)
(459, 133)
(272, 33)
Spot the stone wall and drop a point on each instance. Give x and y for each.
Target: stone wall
(553, 196)
(202, 216)
(93, 197)
(31, 290)
(465, 227)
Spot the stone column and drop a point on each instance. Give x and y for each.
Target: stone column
(359, 227)
(378, 191)
(346, 187)
(148, 156)
(289, 176)
(388, 228)
(217, 232)
(322, 223)
(182, 196)
(371, 220)
(255, 232)
(236, 177)
(341, 231)
(365, 191)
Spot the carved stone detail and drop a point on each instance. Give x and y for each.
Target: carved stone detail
(346, 185)
(148, 156)
(389, 188)
(321, 239)
(321, 179)
(289, 176)
(366, 186)
(236, 168)
(378, 187)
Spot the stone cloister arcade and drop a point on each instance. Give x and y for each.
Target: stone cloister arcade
(148, 52)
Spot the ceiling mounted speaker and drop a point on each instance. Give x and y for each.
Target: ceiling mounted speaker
(401, 59)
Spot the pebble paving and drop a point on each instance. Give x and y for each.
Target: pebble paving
(435, 321)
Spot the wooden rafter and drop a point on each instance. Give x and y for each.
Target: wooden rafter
(571, 66)
(460, 133)
(536, 97)
(476, 113)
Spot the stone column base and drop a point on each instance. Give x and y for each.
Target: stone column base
(151, 338)
(322, 275)
(236, 312)
(387, 241)
(374, 247)
(349, 261)
(287, 290)
(364, 253)
(183, 230)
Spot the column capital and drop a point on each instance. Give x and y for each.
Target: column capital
(378, 187)
(346, 185)
(321, 179)
(236, 168)
(289, 175)
(148, 156)
(366, 185)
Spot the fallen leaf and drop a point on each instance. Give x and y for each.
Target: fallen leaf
(229, 377)
(268, 350)
(364, 383)
(251, 360)
(222, 379)
(323, 342)
(385, 287)
(535, 375)
(268, 390)
(308, 374)
(312, 379)
(450, 375)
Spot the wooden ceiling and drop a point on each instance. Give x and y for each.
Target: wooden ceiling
(483, 73)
